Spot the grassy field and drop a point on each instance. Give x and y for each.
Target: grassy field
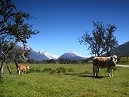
(64, 81)
(124, 60)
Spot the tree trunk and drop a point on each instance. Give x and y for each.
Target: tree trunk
(16, 65)
(1, 69)
(8, 69)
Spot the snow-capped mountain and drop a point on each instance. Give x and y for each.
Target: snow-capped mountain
(72, 56)
(50, 56)
(41, 51)
(41, 55)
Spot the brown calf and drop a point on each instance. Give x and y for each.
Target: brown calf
(22, 68)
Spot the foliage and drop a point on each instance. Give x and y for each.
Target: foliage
(13, 29)
(78, 83)
(16, 54)
(59, 61)
(102, 41)
(68, 61)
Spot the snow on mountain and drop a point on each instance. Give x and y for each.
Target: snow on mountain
(75, 53)
(26, 47)
(50, 56)
(37, 56)
(41, 51)
(41, 55)
(72, 56)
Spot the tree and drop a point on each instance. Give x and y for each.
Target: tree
(16, 54)
(102, 41)
(13, 29)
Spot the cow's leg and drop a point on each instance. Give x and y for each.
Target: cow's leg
(22, 72)
(19, 72)
(110, 73)
(95, 71)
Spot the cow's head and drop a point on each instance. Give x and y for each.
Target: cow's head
(27, 67)
(114, 59)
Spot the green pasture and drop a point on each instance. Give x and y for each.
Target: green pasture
(124, 60)
(59, 80)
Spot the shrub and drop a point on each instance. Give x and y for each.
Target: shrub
(52, 71)
(30, 70)
(47, 70)
(61, 70)
(70, 70)
(37, 70)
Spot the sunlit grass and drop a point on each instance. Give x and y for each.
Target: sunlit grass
(124, 60)
(77, 83)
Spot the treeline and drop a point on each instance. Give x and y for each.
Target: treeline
(59, 61)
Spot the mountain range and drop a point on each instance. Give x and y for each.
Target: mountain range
(121, 50)
(40, 55)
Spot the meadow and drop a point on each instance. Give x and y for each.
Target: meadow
(64, 80)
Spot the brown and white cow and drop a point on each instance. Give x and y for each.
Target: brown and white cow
(22, 68)
(104, 62)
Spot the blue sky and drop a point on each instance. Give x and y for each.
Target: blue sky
(61, 22)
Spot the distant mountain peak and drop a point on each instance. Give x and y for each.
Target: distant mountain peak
(41, 55)
(41, 51)
(50, 56)
(76, 53)
(72, 56)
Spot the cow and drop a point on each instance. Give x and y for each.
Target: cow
(22, 68)
(104, 62)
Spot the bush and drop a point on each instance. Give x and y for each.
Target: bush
(47, 70)
(70, 70)
(37, 70)
(52, 71)
(30, 70)
(61, 70)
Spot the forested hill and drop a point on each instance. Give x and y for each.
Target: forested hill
(122, 50)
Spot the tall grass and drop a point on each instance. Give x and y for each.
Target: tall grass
(78, 82)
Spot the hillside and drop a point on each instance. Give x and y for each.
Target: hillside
(122, 50)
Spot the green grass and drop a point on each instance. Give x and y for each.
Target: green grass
(124, 60)
(78, 82)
